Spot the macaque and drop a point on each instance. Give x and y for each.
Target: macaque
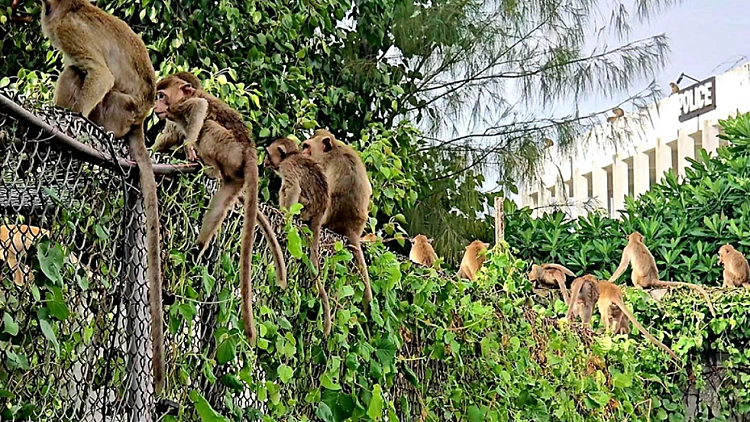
(584, 295)
(422, 252)
(551, 275)
(303, 181)
(645, 274)
(350, 192)
(618, 320)
(109, 79)
(736, 268)
(674, 88)
(369, 238)
(15, 241)
(216, 133)
(473, 259)
(172, 136)
(618, 113)
(609, 295)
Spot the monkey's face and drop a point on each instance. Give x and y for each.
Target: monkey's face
(275, 154)
(723, 252)
(534, 273)
(170, 92)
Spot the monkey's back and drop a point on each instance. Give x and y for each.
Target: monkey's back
(350, 189)
(117, 45)
(229, 118)
(312, 182)
(423, 253)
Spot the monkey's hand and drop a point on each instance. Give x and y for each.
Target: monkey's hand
(190, 152)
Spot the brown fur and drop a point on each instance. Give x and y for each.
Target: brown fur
(609, 295)
(108, 78)
(584, 295)
(217, 134)
(618, 113)
(15, 241)
(472, 260)
(618, 320)
(736, 268)
(551, 275)
(674, 88)
(422, 252)
(303, 181)
(645, 274)
(350, 193)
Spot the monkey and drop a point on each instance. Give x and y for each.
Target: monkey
(736, 268)
(551, 274)
(618, 320)
(369, 238)
(610, 294)
(109, 79)
(473, 259)
(607, 296)
(173, 136)
(674, 88)
(618, 113)
(303, 181)
(584, 295)
(15, 240)
(350, 191)
(422, 252)
(645, 275)
(216, 134)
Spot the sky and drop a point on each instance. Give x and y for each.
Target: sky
(706, 37)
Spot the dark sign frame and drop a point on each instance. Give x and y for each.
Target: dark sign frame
(705, 109)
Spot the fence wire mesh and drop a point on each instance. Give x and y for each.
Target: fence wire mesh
(73, 298)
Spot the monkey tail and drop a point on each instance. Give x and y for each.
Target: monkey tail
(137, 146)
(695, 287)
(246, 249)
(273, 244)
(643, 331)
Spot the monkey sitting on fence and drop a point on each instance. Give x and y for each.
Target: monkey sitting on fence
(216, 133)
(303, 181)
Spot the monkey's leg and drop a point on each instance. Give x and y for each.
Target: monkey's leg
(585, 313)
(604, 312)
(68, 85)
(98, 82)
(354, 241)
(217, 211)
(560, 278)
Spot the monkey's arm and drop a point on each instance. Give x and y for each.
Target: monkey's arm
(623, 264)
(194, 112)
(169, 137)
(289, 195)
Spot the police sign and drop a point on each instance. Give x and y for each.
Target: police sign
(697, 99)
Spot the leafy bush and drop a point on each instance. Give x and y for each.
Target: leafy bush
(684, 222)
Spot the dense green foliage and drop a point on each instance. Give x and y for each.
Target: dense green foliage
(376, 70)
(684, 222)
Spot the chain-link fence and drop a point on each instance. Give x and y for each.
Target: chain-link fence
(74, 299)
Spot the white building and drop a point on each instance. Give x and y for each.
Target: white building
(658, 139)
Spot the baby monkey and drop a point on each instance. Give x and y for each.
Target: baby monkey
(216, 133)
(550, 275)
(303, 181)
(736, 268)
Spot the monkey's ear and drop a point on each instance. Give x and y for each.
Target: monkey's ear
(327, 144)
(188, 89)
(282, 151)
